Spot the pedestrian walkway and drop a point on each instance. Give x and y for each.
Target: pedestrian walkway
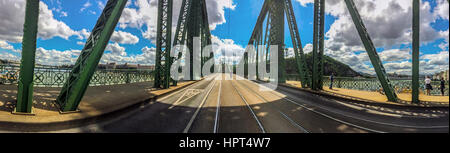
(97, 101)
(377, 96)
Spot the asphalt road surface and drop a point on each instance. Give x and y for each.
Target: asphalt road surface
(216, 105)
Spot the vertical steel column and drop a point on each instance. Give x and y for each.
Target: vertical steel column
(277, 35)
(25, 87)
(372, 52)
(163, 44)
(318, 44)
(416, 51)
(193, 30)
(83, 70)
(320, 65)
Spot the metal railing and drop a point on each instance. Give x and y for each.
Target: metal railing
(372, 84)
(51, 76)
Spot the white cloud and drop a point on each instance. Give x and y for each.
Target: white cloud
(122, 37)
(85, 6)
(12, 14)
(116, 49)
(389, 23)
(56, 57)
(7, 46)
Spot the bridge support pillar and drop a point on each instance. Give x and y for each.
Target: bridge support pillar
(25, 87)
(416, 51)
(276, 15)
(318, 44)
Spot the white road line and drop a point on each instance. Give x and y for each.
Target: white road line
(338, 120)
(265, 101)
(381, 123)
(293, 122)
(216, 123)
(250, 108)
(198, 109)
(327, 116)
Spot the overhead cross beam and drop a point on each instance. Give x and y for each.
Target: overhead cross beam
(372, 52)
(25, 85)
(75, 87)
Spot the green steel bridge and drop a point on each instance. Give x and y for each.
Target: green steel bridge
(193, 22)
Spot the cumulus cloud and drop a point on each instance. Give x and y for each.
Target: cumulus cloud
(389, 23)
(56, 57)
(116, 49)
(122, 37)
(12, 14)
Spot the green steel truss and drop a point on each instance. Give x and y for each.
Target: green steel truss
(83, 70)
(372, 52)
(416, 52)
(192, 22)
(163, 44)
(297, 45)
(318, 44)
(25, 87)
(272, 33)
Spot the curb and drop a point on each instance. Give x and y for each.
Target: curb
(62, 125)
(363, 101)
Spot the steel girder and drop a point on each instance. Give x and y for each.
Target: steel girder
(297, 45)
(83, 70)
(25, 85)
(181, 31)
(416, 51)
(192, 22)
(277, 35)
(318, 44)
(273, 34)
(163, 61)
(372, 52)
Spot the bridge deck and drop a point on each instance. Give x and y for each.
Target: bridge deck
(97, 101)
(377, 96)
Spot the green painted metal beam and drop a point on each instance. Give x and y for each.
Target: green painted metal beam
(25, 86)
(297, 45)
(277, 35)
(372, 52)
(83, 70)
(318, 44)
(163, 60)
(416, 51)
(181, 30)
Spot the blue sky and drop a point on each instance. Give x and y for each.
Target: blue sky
(65, 25)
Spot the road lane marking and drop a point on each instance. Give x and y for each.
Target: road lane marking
(250, 108)
(293, 122)
(376, 122)
(189, 94)
(327, 116)
(216, 123)
(188, 126)
(265, 101)
(193, 85)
